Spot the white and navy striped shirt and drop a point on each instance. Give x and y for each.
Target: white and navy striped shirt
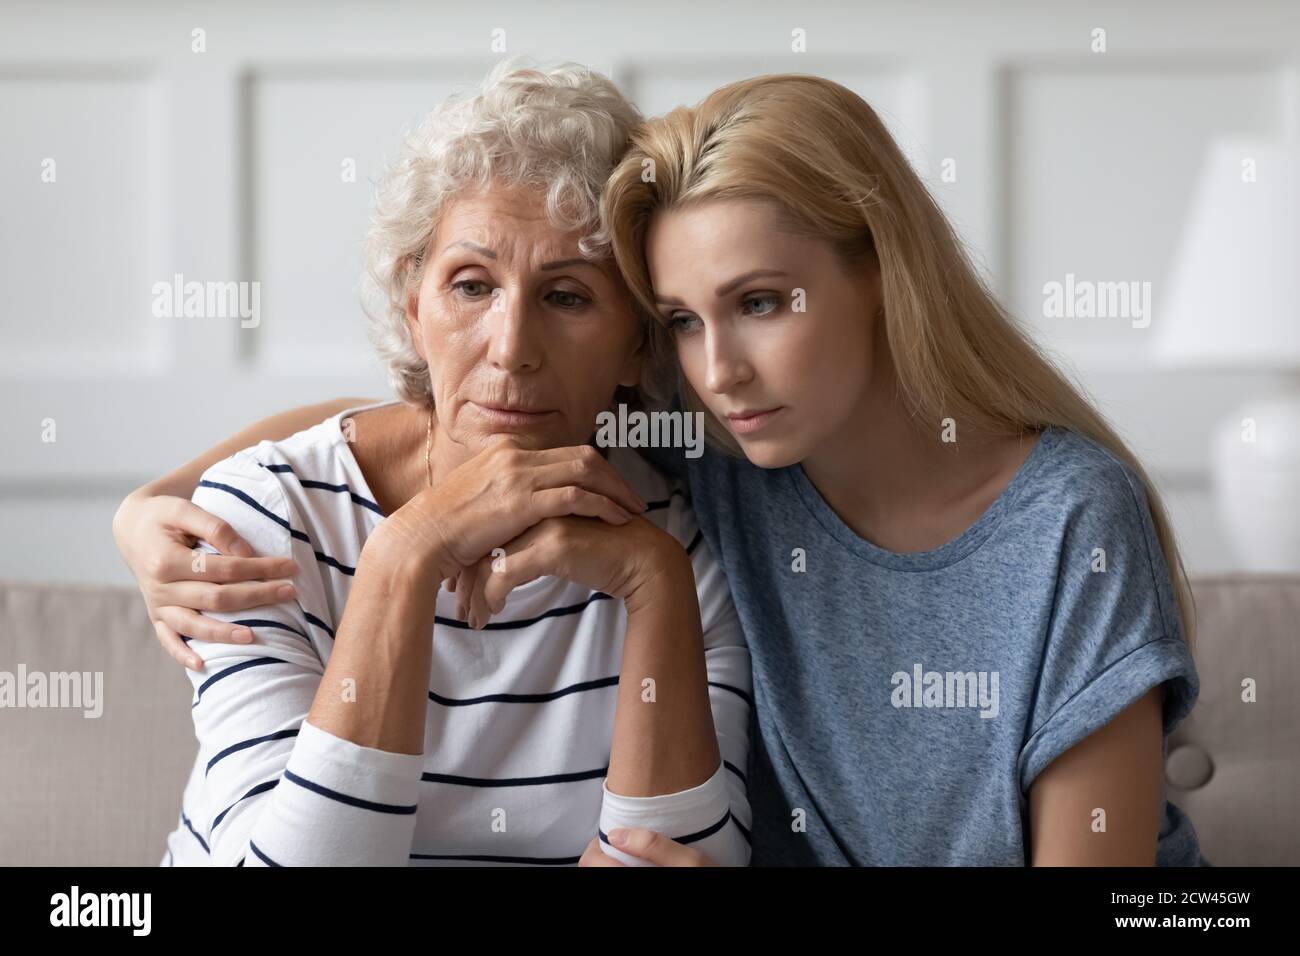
(520, 715)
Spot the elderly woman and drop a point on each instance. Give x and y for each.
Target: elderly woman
(588, 673)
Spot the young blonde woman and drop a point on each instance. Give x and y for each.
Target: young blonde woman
(966, 612)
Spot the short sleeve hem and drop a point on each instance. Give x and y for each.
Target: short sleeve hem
(1113, 691)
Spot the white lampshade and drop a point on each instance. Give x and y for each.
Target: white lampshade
(1231, 300)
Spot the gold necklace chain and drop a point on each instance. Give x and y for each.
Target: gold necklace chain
(428, 448)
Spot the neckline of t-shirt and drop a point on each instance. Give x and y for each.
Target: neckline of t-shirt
(357, 478)
(951, 552)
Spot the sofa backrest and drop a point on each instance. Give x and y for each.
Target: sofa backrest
(1233, 766)
(79, 790)
(89, 791)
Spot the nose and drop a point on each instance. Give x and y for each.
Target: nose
(724, 355)
(514, 341)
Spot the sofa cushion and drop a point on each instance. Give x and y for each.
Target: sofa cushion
(85, 790)
(1234, 766)
(96, 791)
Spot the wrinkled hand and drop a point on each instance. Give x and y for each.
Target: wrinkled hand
(497, 495)
(614, 559)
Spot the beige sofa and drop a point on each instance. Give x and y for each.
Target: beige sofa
(104, 791)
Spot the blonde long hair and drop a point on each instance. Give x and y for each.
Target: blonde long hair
(822, 155)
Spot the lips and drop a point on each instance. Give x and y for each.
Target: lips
(751, 420)
(510, 416)
(513, 409)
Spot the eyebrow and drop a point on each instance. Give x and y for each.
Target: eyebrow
(481, 250)
(563, 263)
(545, 266)
(728, 286)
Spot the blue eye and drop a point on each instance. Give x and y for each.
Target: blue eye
(675, 326)
(773, 301)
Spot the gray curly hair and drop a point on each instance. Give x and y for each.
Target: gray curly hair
(562, 128)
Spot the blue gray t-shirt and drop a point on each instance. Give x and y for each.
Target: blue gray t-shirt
(904, 703)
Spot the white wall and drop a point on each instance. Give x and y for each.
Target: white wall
(225, 166)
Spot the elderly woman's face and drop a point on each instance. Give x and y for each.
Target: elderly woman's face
(521, 333)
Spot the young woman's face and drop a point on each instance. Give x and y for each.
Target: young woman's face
(773, 331)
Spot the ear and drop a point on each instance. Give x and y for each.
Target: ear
(413, 321)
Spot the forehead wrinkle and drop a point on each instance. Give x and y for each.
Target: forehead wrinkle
(507, 237)
(481, 250)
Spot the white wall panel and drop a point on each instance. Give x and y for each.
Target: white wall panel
(80, 237)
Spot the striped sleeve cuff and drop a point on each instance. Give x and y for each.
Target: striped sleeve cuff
(341, 804)
(699, 818)
(378, 775)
